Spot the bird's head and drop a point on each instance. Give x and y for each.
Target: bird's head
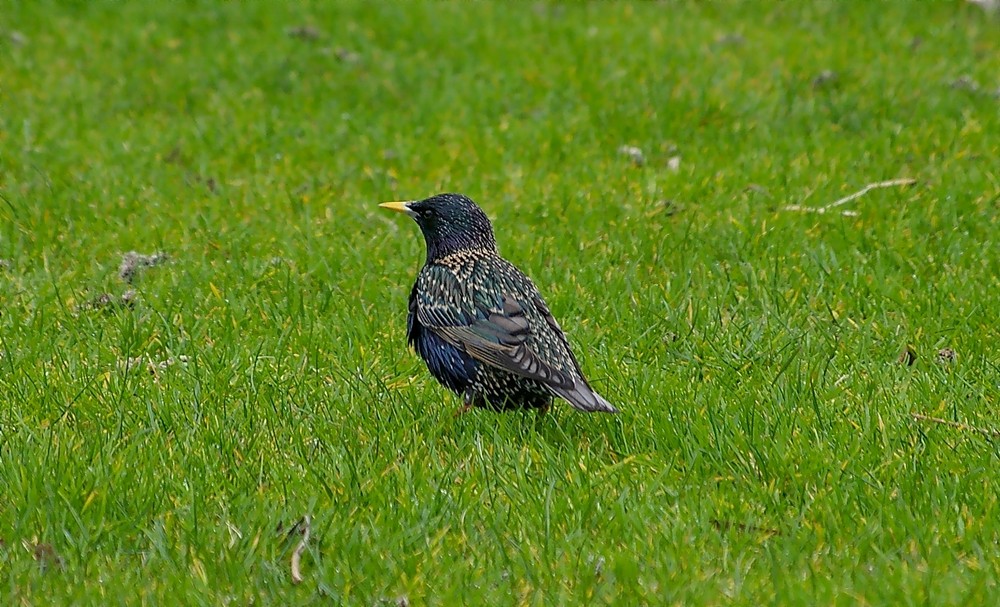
(450, 223)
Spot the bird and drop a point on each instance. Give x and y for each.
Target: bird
(479, 323)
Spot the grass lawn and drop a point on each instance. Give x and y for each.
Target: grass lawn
(159, 440)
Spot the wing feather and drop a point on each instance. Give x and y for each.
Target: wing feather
(493, 329)
(494, 326)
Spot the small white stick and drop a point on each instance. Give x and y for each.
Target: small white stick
(871, 186)
(818, 210)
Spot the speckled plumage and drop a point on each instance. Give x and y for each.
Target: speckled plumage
(479, 323)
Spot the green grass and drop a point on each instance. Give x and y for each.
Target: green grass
(765, 453)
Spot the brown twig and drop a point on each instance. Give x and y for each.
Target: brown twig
(846, 199)
(958, 426)
(297, 554)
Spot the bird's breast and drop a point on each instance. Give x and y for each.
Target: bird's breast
(451, 366)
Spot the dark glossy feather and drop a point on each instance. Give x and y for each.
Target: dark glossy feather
(480, 324)
(449, 365)
(487, 308)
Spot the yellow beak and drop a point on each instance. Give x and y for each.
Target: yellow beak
(399, 207)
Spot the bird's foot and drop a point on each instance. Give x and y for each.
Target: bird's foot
(468, 402)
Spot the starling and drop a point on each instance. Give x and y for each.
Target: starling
(479, 323)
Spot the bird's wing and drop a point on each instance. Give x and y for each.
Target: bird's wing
(493, 328)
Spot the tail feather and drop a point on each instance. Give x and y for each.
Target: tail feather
(583, 397)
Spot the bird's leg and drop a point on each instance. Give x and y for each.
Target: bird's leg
(468, 401)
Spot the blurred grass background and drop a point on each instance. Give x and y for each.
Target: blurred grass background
(160, 451)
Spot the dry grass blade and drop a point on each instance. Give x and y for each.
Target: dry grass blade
(958, 426)
(731, 526)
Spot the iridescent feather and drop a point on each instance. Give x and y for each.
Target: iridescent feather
(480, 324)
